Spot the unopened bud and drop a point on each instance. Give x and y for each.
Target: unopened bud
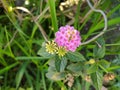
(91, 61)
(10, 9)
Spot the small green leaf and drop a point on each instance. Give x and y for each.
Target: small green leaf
(97, 79)
(51, 69)
(63, 64)
(75, 56)
(60, 63)
(75, 68)
(55, 75)
(57, 64)
(99, 50)
(51, 62)
(42, 52)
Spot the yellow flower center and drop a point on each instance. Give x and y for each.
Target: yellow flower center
(51, 47)
(61, 51)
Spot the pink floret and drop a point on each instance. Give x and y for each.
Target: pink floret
(68, 37)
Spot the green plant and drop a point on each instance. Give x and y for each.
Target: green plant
(25, 29)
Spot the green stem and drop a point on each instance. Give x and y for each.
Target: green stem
(5, 80)
(43, 79)
(50, 86)
(69, 88)
(78, 84)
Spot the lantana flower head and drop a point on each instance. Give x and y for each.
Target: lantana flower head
(61, 51)
(68, 37)
(51, 47)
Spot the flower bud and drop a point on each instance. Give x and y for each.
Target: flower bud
(10, 9)
(91, 61)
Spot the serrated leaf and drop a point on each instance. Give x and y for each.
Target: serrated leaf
(42, 52)
(93, 68)
(63, 64)
(51, 69)
(75, 56)
(55, 75)
(97, 79)
(52, 62)
(60, 63)
(76, 68)
(57, 64)
(99, 50)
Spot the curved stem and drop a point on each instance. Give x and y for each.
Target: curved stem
(105, 26)
(39, 26)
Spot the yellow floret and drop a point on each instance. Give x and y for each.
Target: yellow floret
(51, 47)
(61, 51)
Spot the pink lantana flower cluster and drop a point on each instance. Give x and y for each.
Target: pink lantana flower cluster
(68, 37)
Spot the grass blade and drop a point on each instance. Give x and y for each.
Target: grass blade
(53, 14)
(8, 67)
(20, 74)
(31, 58)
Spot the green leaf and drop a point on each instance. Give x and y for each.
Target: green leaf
(55, 75)
(63, 64)
(117, 7)
(76, 68)
(113, 68)
(8, 67)
(53, 14)
(51, 69)
(75, 56)
(21, 88)
(60, 63)
(29, 88)
(57, 64)
(104, 63)
(100, 25)
(51, 62)
(114, 88)
(20, 73)
(42, 52)
(30, 58)
(29, 79)
(99, 50)
(93, 68)
(97, 80)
